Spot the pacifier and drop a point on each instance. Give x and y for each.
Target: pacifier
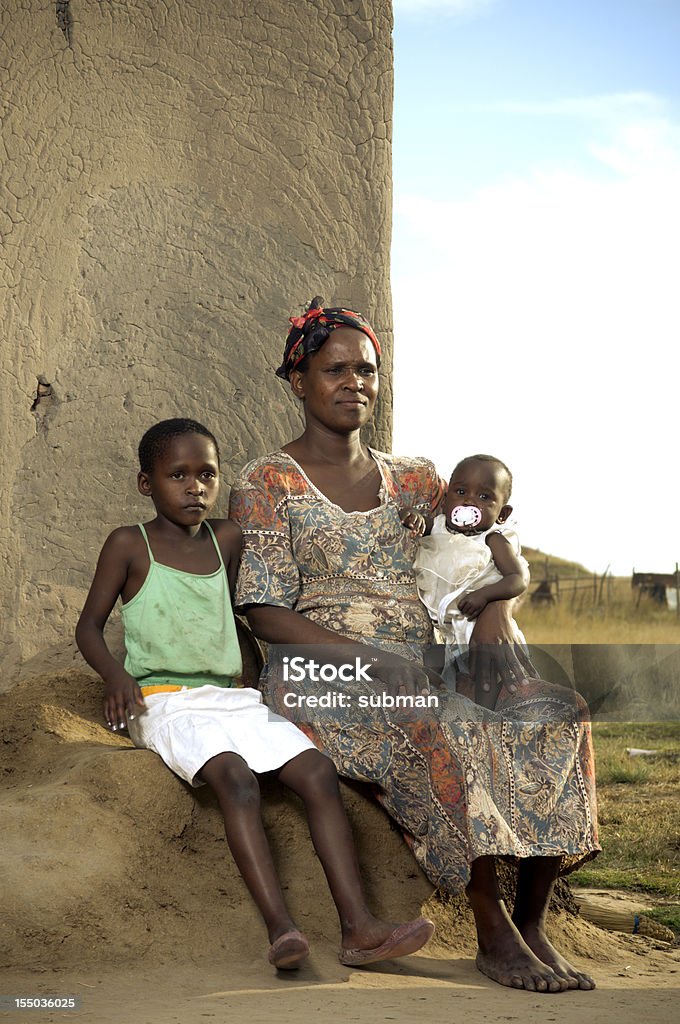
(465, 516)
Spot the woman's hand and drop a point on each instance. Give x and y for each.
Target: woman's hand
(495, 658)
(403, 678)
(121, 695)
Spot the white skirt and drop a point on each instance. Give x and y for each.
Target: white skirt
(188, 727)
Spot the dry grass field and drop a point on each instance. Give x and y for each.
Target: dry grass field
(619, 623)
(592, 610)
(639, 797)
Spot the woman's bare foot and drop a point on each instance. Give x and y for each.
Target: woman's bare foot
(538, 943)
(503, 954)
(507, 959)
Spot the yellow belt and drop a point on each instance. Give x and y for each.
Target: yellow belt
(163, 688)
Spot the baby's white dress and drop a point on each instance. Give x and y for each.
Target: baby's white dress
(449, 565)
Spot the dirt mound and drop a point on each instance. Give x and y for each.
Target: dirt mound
(107, 855)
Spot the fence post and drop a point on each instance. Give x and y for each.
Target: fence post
(604, 577)
(677, 591)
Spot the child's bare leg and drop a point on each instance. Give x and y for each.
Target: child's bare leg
(313, 777)
(534, 887)
(504, 955)
(238, 793)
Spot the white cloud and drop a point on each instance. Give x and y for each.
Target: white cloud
(644, 150)
(608, 106)
(548, 311)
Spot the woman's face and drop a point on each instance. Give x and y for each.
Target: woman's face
(340, 385)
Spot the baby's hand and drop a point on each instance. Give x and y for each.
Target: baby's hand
(413, 521)
(472, 604)
(121, 695)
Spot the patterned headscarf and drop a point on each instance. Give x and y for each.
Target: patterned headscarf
(308, 332)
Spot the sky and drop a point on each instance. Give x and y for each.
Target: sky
(536, 262)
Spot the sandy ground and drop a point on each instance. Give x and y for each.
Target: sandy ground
(118, 889)
(642, 985)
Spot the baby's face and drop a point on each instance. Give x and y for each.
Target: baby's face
(482, 485)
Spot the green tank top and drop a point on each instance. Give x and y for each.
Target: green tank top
(180, 629)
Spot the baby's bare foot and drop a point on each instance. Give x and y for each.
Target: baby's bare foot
(538, 943)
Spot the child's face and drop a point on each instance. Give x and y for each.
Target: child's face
(483, 485)
(185, 480)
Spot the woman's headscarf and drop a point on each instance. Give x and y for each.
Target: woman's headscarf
(308, 332)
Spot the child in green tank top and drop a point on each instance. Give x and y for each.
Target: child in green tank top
(180, 692)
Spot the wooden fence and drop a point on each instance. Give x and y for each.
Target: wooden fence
(591, 590)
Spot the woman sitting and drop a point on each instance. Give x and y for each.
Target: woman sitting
(327, 561)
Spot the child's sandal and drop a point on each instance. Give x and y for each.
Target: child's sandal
(289, 951)
(406, 938)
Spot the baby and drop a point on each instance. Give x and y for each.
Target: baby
(469, 555)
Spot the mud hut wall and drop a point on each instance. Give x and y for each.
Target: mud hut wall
(177, 179)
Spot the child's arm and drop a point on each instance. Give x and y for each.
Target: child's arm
(515, 578)
(416, 522)
(230, 539)
(121, 691)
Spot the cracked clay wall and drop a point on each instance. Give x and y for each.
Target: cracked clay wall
(176, 180)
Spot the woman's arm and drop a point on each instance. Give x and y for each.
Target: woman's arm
(495, 658)
(286, 626)
(269, 581)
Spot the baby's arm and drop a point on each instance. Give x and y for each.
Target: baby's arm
(515, 579)
(121, 691)
(416, 522)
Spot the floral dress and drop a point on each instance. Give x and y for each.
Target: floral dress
(462, 782)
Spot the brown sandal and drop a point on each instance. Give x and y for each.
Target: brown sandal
(289, 951)
(406, 938)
